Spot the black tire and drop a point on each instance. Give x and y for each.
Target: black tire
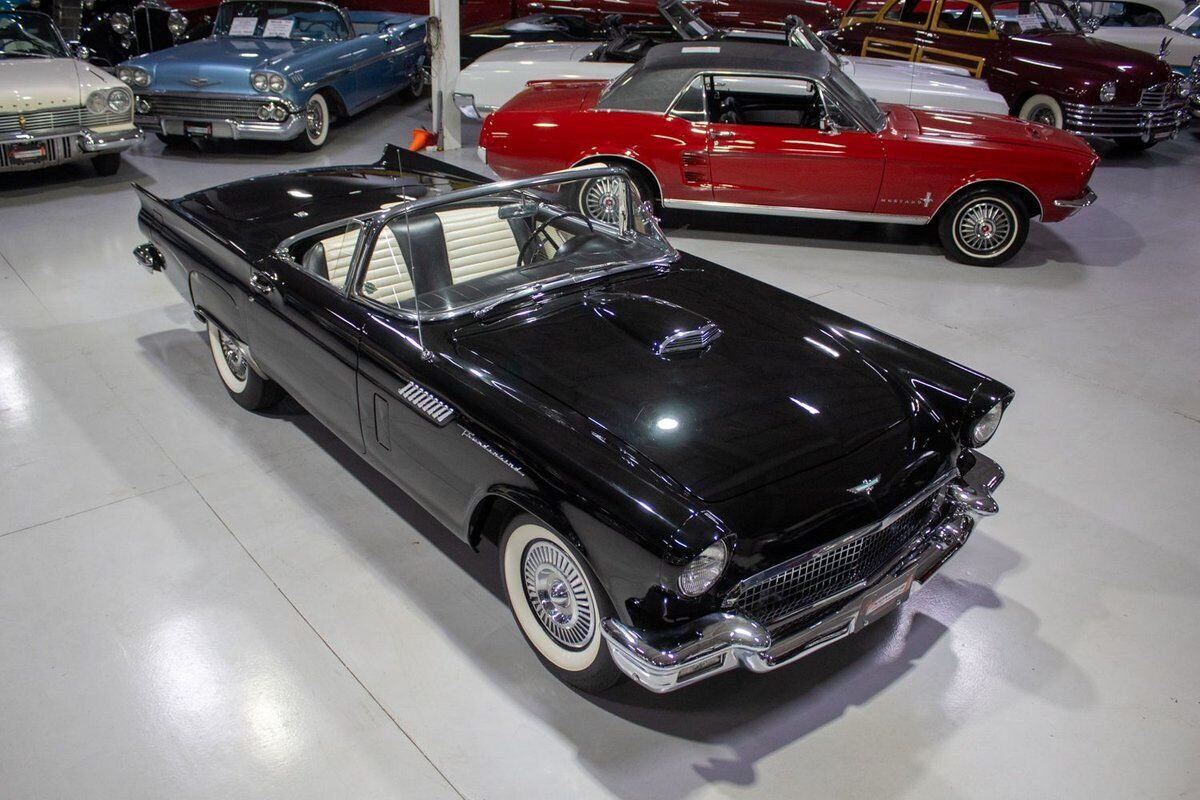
(1133, 144)
(416, 89)
(248, 389)
(983, 227)
(173, 140)
(587, 200)
(532, 555)
(107, 164)
(318, 117)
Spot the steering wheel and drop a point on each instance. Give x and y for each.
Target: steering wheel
(540, 230)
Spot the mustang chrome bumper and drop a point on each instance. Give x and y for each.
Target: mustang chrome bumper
(1073, 204)
(663, 661)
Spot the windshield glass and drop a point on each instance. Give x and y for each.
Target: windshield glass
(1188, 22)
(849, 94)
(684, 21)
(800, 35)
(475, 253)
(305, 21)
(1041, 15)
(27, 35)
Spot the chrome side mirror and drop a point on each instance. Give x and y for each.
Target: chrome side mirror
(78, 50)
(828, 126)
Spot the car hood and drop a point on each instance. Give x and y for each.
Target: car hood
(1180, 51)
(542, 53)
(224, 63)
(773, 395)
(955, 126)
(33, 84)
(1095, 60)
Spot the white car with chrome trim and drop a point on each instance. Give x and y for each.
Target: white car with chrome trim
(1177, 42)
(55, 108)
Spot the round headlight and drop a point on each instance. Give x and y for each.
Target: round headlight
(1108, 92)
(119, 100)
(120, 22)
(125, 74)
(264, 112)
(278, 113)
(985, 427)
(276, 83)
(97, 102)
(260, 81)
(143, 106)
(703, 570)
(177, 24)
(141, 77)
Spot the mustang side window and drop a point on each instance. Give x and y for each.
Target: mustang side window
(690, 105)
(749, 100)
(328, 254)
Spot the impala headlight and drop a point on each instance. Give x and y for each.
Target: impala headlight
(702, 571)
(97, 102)
(120, 22)
(984, 428)
(134, 76)
(267, 81)
(177, 24)
(1108, 91)
(119, 100)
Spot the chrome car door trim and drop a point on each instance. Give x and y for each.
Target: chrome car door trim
(794, 211)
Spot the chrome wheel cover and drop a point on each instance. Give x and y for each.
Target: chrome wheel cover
(602, 199)
(558, 594)
(1045, 115)
(983, 227)
(314, 120)
(235, 357)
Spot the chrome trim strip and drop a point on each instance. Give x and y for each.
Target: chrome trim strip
(793, 211)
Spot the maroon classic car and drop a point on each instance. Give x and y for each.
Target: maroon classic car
(1035, 54)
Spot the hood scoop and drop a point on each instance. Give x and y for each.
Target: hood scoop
(666, 329)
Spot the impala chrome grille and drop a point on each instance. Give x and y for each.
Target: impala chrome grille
(60, 119)
(427, 404)
(828, 571)
(198, 107)
(693, 341)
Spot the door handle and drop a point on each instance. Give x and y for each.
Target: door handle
(721, 134)
(262, 282)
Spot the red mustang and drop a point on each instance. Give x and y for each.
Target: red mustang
(757, 129)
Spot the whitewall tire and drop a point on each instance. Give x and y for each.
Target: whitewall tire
(316, 124)
(557, 603)
(1042, 108)
(983, 228)
(248, 389)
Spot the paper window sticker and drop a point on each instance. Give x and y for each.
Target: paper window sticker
(243, 26)
(279, 28)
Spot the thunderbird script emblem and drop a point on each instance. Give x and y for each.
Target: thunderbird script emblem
(200, 83)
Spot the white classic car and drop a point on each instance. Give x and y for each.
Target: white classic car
(1181, 33)
(496, 77)
(55, 108)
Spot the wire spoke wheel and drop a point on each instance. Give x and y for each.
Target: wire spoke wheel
(314, 120)
(1044, 115)
(558, 594)
(984, 227)
(235, 357)
(603, 199)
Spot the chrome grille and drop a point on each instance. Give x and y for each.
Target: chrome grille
(201, 108)
(828, 571)
(58, 148)
(60, 119)
(1155, 96)
(426, 403)
(688, 341)
(1158, 111)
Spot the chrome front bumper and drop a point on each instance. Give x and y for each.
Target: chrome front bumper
(1073, 204)
(663, 661)
(284, 131)
(66, 146)
(1124, 122)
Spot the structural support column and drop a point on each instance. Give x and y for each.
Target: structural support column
(444, 62)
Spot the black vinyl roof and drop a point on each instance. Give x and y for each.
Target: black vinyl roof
(653, 83)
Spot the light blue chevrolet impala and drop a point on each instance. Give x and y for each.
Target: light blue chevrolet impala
(278, 71)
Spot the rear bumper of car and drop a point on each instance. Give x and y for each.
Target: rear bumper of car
(62, 147)
(663, 661)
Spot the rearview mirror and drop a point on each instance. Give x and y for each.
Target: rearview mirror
(828, 126)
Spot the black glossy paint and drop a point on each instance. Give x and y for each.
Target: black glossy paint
(561, 399)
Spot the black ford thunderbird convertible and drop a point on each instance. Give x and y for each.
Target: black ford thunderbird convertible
(685, 470)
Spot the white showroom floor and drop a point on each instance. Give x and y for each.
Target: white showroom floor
(200, 602)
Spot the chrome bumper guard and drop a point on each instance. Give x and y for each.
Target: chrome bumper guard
(92, 142)
(663, 661)
(1075, 203)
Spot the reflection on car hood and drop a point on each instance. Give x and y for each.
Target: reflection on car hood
(773, 395)
(224, 63)
(35, 84)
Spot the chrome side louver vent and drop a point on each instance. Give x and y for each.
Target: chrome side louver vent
(427, 404)
(691, 341)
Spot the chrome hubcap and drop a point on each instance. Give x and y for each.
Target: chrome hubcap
(984, 227)
(235, 358)
(1044, 115)
(558, 595)
(602, 199)
(314, 120)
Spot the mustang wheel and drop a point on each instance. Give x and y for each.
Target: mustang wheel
(248, 389)
(107, 164)
(984, 228)
(602, 199)
(557, 604)
(1042, 108)
(316, 124)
